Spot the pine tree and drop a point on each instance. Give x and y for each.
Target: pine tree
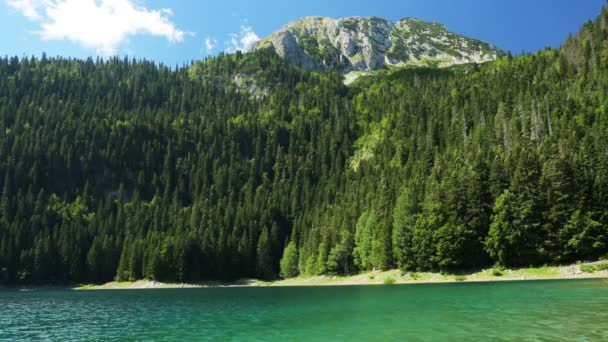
(363, 241)
(289, 261)
(264, 257)
(404, 219)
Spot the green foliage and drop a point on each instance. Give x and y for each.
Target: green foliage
(350, 24)
(503, 230)
(583, 236)
(594, 267)
(404, 219)
(423, 240)
(264, 257)
(588, 268)
(338, 261)
(363, 241)
(389, 280)
(321, 262)
(460, 278)
(498, 271)
(289, 261)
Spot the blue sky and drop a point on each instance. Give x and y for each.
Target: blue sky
(176, 32)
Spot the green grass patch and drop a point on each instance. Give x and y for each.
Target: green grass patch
(544, 271)
(594, 268)
(498, 271)
(460, 278)
(389, 280)
(588, 268)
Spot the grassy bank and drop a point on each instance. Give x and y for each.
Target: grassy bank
(576, 271)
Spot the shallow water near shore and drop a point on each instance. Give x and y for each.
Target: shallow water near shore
(538, 310)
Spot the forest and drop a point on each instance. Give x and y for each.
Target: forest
(241, 166)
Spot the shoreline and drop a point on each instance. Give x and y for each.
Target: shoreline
(570, 272)
(369, 278)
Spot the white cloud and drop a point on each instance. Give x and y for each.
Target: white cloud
(29, 8)
(210, 44)
(102, 25)
(242, 41)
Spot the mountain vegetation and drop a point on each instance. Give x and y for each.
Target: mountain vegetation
(245, 166)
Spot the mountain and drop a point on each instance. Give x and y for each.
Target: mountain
(364, 44)
(243, 166)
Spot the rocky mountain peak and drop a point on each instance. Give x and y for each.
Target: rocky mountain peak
(364, 44)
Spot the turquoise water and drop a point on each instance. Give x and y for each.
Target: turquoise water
(516, 311)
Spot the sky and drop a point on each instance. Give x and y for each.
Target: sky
(178, 31)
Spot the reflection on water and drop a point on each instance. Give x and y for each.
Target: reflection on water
(550, 310)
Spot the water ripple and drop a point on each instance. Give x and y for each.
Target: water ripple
(532, 311)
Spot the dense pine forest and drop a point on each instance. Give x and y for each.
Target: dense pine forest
(243, 166)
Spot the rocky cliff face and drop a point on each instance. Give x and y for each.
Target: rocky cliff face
(364, 44)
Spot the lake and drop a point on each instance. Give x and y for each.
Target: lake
(543, 310)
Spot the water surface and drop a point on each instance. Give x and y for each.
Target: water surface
(518, 311)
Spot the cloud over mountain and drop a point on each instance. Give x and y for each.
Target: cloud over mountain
(101, 25)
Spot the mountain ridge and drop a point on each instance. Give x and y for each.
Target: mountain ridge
(317, 43)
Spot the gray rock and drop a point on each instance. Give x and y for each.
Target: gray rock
(364, 44)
